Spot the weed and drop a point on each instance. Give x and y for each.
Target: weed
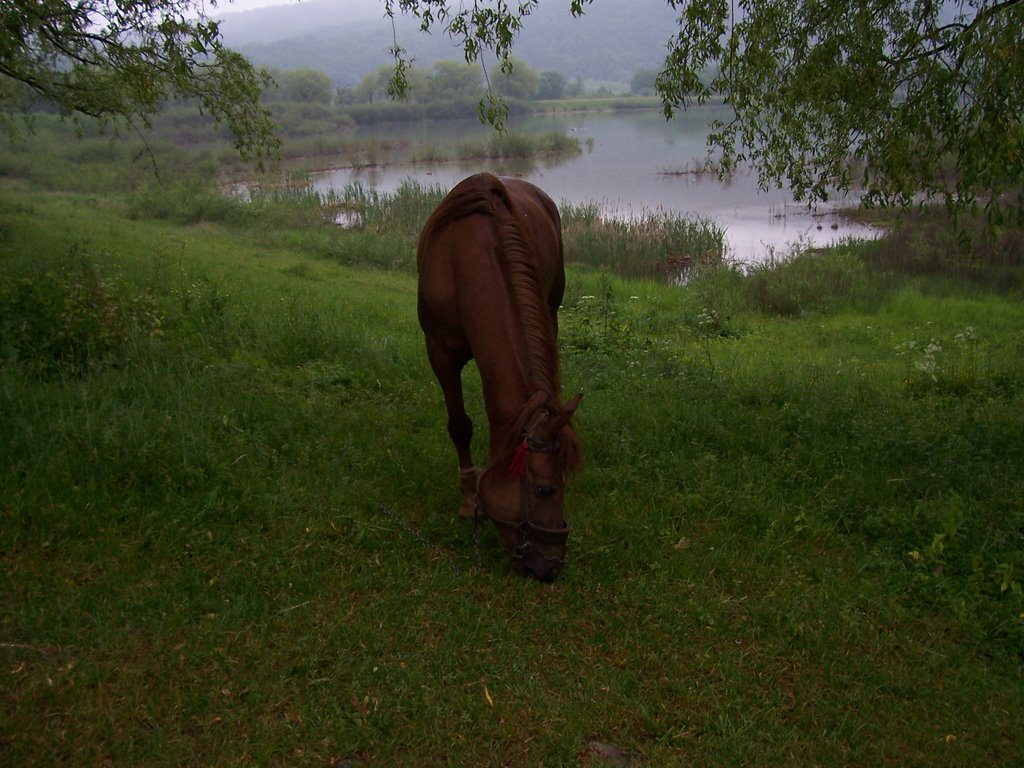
(806, 281)
(71, 319)
(185, 202)
(934, 364)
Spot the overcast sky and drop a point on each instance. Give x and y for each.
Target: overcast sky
(247, 5)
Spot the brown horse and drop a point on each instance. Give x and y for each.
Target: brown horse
(490, 283)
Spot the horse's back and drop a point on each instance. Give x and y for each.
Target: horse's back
(460, 252)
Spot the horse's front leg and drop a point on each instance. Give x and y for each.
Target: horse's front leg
(469, 480)
(460, 430)
(460, 427)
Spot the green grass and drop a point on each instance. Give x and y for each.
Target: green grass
(797, 538)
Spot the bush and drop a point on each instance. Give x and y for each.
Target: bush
(807, 281)
(188, 202)
(927, 242)
(72, 320)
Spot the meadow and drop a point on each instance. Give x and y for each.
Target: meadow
(228, 503)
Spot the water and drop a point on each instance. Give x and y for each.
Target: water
(630, 165)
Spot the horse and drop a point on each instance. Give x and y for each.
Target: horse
(490, 282)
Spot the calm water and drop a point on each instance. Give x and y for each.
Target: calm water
(623, 169)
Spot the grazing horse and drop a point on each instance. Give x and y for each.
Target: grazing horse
(490, 283)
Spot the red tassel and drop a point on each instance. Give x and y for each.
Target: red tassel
(518, 464)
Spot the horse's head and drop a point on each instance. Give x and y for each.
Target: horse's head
(523, 493)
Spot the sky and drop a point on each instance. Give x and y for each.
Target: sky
(248, 5)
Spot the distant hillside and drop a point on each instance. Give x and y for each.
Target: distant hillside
(348, 38)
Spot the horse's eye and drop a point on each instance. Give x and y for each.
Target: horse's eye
(545, 491)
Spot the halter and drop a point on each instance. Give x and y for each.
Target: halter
(529, 532)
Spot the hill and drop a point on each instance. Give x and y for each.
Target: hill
(348, 38)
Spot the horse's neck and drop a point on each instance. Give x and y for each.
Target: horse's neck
(507, 424)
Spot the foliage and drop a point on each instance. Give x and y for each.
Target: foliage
(805, 281)
(119, 62)
(924, 97)
(302, 85)
(478, 30)
(184, 202)
(516, 81)
(448, 81)
(552, 85)
(66, 319)
(926, 243)
(401, 213)
(644, 81)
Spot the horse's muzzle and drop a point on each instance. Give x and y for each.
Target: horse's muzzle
(540, 568)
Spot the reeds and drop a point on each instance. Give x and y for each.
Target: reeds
(401, 212)
(658, 245)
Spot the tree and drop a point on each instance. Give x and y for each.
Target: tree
(305, 84)
(552, 85)
(517, 81)
(644, 81)
(374, 85)
(452, 80)
(924, 97)
(118, 61)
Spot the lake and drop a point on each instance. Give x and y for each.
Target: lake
(629, 165)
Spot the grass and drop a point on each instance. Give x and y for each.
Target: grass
(228, 507)
(654, 245)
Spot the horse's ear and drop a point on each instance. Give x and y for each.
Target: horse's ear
(568, 409)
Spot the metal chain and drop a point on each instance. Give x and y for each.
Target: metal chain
(418, 536)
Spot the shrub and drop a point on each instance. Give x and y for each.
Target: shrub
(807, 281)
(188, 202)
(927, 242)
(73, 319)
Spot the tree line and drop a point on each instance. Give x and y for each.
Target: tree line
(443, 82)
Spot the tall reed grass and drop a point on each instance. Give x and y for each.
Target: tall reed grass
(402, 212)
(661, 246)
(506, 146)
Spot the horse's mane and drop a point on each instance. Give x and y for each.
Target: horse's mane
(487, 195)
(490, 197)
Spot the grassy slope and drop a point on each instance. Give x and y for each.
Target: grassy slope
(197, 569)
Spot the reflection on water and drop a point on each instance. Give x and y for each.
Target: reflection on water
(631, 163)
